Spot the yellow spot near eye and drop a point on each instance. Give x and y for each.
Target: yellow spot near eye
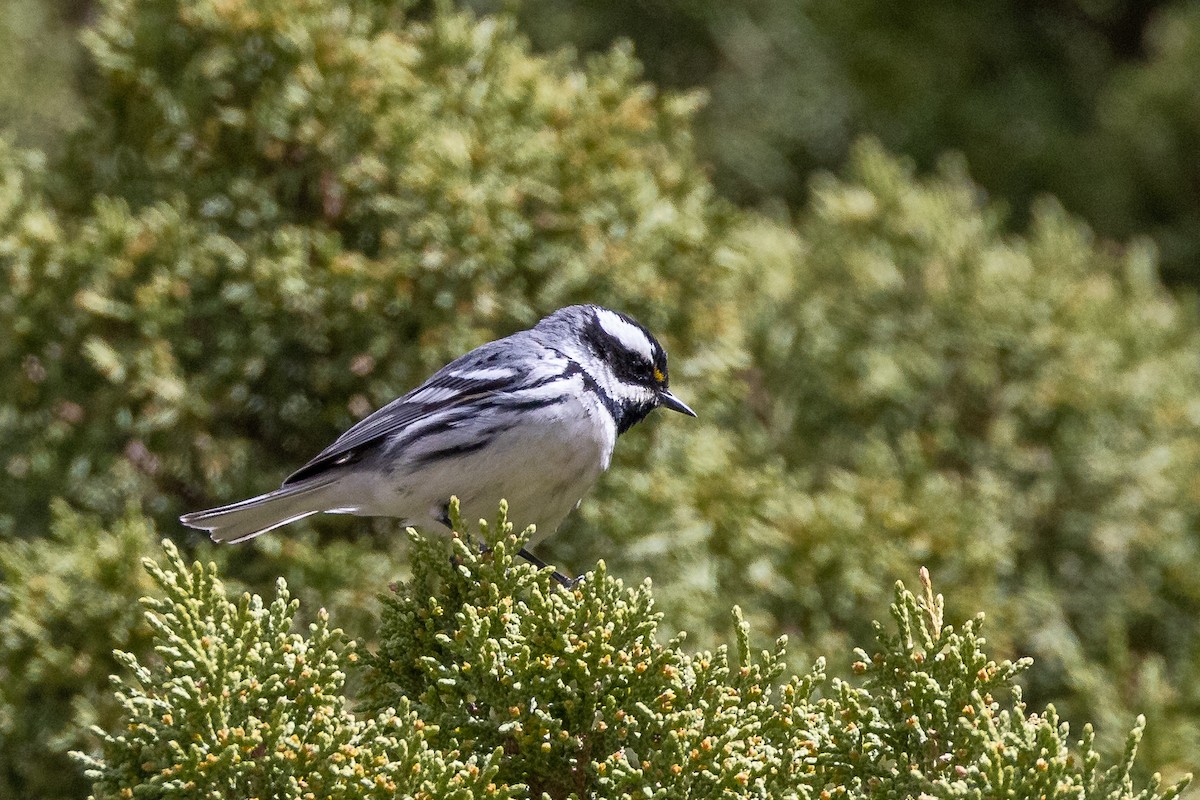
(658, 375)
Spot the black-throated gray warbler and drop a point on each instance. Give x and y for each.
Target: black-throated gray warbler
(531, 418)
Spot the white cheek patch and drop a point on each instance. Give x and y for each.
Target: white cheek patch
(631, 337)
(618, 390)
(605, 379)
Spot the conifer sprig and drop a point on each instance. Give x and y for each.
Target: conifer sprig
(237, 704)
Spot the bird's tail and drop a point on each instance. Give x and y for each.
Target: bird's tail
(238, 522)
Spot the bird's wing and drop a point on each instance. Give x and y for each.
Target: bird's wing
(470, 377)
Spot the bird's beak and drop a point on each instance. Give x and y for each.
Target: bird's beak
(668, 400)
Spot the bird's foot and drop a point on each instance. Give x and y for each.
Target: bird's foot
(562, 580)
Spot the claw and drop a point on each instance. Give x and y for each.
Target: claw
(565, 582)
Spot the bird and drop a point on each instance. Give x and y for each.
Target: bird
(531, 418)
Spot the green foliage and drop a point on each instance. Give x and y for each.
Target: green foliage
(288, 250)
(38, 57)
(278, 216)
(66, 600)
(567, 693)
(1091, 101)
(1094, 102)
(194, 336)
(1022, 412)
(237, 705)
(1149, 124)
(1018, 413)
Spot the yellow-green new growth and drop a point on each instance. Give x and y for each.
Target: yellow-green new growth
(237, 704)
(491, 680)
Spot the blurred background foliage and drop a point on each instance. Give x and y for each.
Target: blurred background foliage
(1095, 101)
(231, 229)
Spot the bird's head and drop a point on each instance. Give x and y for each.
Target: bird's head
(622, 360)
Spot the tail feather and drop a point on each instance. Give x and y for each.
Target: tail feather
(244, 520)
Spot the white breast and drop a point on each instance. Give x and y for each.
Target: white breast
(546, 467)
(542, 466)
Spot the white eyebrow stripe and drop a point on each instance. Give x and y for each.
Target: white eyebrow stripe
(630, 336)
(484, 374)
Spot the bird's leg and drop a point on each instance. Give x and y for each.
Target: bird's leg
(563, 580)
(532, 559)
